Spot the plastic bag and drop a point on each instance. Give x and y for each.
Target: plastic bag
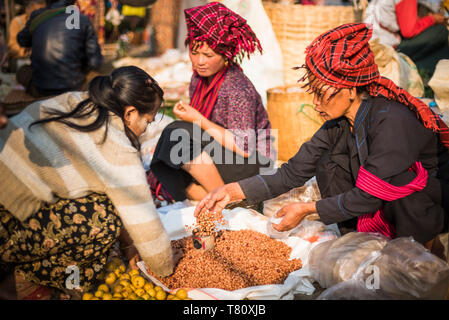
(408, 270)
(440, 85)
(354, 289)
(401, 269)
(307, 230)
(397, 67)
(338, 260)
(307, 193)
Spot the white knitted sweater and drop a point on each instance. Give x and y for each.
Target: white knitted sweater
(55, 161)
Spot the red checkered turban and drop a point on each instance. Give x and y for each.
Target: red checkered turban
(223, 30)
(342, 58)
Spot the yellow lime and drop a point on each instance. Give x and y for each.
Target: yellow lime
(110, 278)
(107, 296)
(152, 292)
(87, 296)
(133, 296)
(138, 281)
(95, 298)
(103, 288)
(117, 295)
(148, 286)
(133, 272)
(125, 283)
(170, 297)
(125, 294)
(181, 294)
(161, 295)
(117, 288)
(158, 288)
(146, 296)
(140, 292)
(99, 294)
(125, 276)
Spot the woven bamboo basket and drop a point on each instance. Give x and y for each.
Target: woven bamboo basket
(296, 26)
(293, 118)
(164, 18)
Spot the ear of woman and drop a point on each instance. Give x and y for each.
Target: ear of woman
(130, 115)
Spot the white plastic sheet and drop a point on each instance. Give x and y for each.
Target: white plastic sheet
(298, 282)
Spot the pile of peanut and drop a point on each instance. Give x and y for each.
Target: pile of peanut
(207, 223)
(240, 259)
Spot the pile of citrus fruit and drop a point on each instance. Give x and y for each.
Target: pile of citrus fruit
(122, 285)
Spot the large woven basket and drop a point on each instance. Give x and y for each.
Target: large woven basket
(296, 26)
(164, 18)
(291, 112)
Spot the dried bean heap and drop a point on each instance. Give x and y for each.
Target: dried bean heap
(206, 223)
(240, 259)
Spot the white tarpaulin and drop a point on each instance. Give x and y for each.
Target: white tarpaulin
(298, 282)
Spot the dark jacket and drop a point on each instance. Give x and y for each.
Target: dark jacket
(61, 56)
(387, 140)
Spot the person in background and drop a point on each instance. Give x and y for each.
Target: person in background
(61, 56)
(226, 128)
(15, 51)
(381, 158)
(73, 184)
(424, 39)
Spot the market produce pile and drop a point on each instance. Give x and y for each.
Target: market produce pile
(207, 223)
(240, 259)
(121, 285)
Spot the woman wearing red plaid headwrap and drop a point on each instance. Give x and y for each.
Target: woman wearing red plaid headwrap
(226, 126)
(380, 160)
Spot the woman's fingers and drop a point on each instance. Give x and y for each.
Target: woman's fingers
(201, 205)
(281, 212)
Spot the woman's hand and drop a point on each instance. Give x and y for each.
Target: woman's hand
(215, 201)
(293, 215)
(439, 18)
(187, 113)
(219, 198)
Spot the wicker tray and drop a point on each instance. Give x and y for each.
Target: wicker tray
(296, 26)
(291, 112)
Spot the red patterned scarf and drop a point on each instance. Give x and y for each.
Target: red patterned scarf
(342, 58)
(205, 96)
(366, 181)
(223, 30)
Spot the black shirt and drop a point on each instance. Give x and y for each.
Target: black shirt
(387, 139)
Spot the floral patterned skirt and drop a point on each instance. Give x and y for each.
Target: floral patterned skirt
(71, 238)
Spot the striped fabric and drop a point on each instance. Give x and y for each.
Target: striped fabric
(47, 14)
(366, 181)
(205, 96)
(51, 161)
(342, 58)
(223, 30)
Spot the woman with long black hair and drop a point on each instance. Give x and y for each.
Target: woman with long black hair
(72, 180)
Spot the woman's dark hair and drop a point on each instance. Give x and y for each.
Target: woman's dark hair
(311, 86)
(125, 86)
